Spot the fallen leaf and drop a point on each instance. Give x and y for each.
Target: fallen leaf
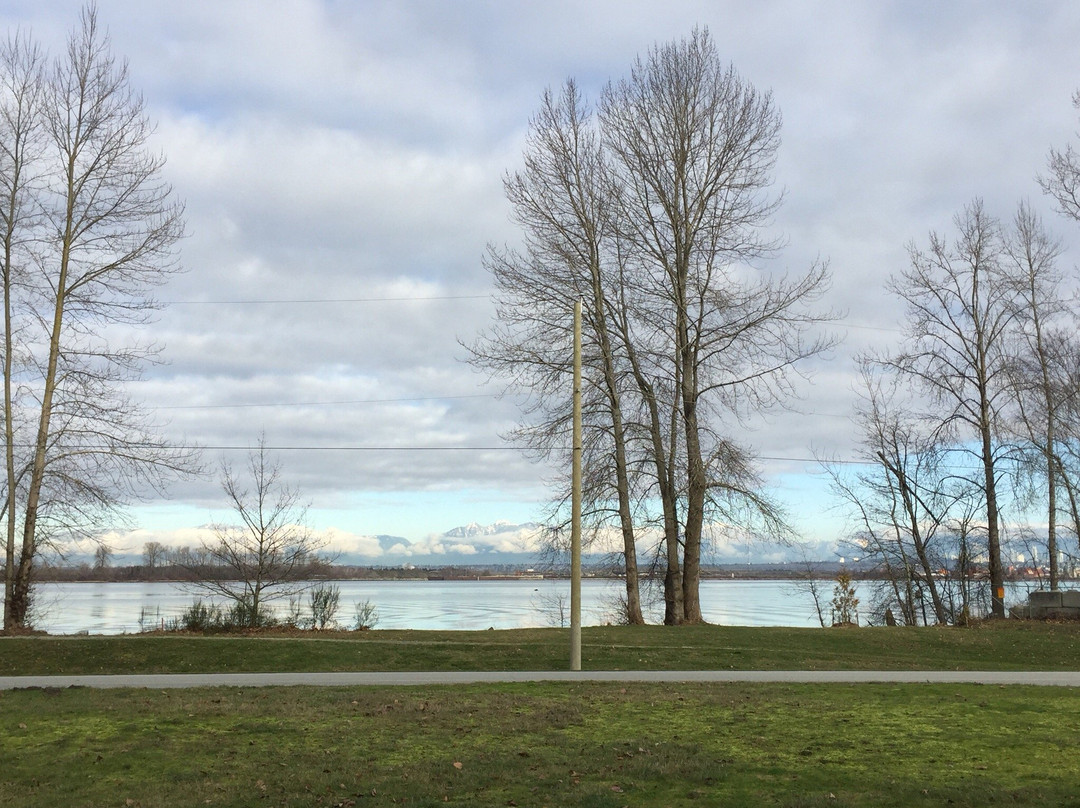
(457, 764)
(617, 789)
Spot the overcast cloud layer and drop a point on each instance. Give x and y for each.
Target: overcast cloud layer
(353, 152)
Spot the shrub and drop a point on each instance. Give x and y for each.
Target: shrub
(365, 615)
(323, 600)
(243, 615)
(845, 606)
(201, 616)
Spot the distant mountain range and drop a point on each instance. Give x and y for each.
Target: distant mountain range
(507, 543)
(475, 544)
(499, 543)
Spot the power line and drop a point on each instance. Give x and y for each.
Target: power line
(780, 459)
(842, 324)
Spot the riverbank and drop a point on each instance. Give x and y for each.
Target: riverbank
(996, 645)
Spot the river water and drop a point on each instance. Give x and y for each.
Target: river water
(116, 608)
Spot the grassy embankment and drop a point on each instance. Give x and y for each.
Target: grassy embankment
(1008, 645)
(548, 744)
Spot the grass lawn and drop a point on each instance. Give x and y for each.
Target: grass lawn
(581, 744)
(1005, 645)
(543, 744)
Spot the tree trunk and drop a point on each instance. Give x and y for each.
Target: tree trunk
(21, 593)
(695, 504)
(993, 537)
(622, 483)
(9, 432)
(673, 579)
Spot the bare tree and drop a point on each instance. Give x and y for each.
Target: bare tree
(22, 84)
(269, 552)
(1031, 262)
(103, 228)
(653, 213)
(154, 554)
(103, 554)
(1063, 180)
(693, 147)
(1063, 348)
(961, 304)
(905, 502)
(560, 201)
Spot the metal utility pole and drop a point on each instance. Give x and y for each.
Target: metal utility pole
(575, 505)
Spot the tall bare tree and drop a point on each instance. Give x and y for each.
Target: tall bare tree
(269, 551)
(961, 304)
(693, 148)
(22, 83)
(1064, 347)
(654, 213)
(559, 200)
(103, 227)
(1031, 256)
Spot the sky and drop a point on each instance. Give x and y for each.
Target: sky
(342, 163)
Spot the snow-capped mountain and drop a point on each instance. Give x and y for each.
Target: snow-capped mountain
(474, 529)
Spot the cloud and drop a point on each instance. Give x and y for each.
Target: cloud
(355, 151)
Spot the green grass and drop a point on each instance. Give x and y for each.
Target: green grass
(586, 744)
(543, 744)
(1006, 645)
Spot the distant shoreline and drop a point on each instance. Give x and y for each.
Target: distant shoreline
(800, 571)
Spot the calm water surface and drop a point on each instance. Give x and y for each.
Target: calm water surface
(114, 608)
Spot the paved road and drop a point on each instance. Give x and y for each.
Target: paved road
(169, 680)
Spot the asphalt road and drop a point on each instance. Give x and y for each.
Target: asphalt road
(369, 679)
